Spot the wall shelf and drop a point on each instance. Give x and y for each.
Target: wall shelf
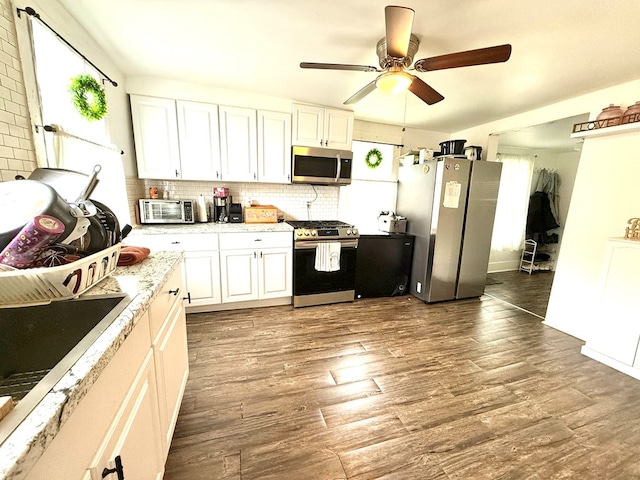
(600, 132)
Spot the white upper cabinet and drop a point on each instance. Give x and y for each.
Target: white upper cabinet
(156, 137)
(180, 140)
(274, 147)
(315, 126)
(175, 140)
(338, 128)
(238, 144)
(199, 140)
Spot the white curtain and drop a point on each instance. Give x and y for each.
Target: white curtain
(513, 201)
(75, 153)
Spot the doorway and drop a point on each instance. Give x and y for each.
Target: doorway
(552, 150)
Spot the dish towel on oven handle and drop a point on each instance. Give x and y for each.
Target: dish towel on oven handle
(328, 257)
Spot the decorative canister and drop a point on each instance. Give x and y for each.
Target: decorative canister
(632, 114)
(612, 114)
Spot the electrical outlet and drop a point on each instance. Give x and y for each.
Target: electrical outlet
(419, 287)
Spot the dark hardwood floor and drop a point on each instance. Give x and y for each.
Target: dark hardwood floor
(527, 291)
(394, 388)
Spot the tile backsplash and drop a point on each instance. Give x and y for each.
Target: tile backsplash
(291, 200)
(17, 155)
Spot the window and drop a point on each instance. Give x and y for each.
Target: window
(80, 144)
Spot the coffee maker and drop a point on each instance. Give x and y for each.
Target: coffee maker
(221, 201)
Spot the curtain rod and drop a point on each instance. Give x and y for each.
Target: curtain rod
(31, 12)
(61, 131)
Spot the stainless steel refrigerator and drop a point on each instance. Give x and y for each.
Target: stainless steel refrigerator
(450, 205)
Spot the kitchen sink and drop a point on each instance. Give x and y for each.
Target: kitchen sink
(39, 344)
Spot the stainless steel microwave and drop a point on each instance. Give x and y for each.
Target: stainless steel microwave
(321, 166)
(165, 211)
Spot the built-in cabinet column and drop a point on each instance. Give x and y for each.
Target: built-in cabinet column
(615, 328)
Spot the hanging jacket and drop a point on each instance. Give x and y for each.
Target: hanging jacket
(540, 218)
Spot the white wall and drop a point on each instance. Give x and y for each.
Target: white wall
(604, 197)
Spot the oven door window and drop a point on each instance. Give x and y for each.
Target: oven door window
(307, 280)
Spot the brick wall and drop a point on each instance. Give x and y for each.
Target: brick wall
(17, 155)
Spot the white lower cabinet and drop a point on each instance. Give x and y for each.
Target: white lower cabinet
(202, 263)
(614, 337)
(169, 340)
(203, 277)
(227, 268)
(255, 266)
(126, 419)
(132, 445)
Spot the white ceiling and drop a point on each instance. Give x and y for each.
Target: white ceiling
(561, 49)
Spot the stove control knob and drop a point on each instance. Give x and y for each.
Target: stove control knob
(354, 231)
(313, 233)
(348, 231)
(299, 233)
(306, 233)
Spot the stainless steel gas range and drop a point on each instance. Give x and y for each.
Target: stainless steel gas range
(324, 262)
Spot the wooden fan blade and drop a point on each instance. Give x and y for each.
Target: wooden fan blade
(339, 66)
(360, 94)
(398, 25)
(424, 92)
(481, 56)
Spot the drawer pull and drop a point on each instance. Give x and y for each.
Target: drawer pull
(174, 292)
(117, 469)
(177, 242)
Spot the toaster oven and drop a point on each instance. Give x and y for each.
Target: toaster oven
(165, 211)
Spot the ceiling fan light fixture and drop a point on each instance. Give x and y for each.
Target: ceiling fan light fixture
(394, 82)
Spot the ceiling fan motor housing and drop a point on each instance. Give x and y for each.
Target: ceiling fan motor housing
(387, 61)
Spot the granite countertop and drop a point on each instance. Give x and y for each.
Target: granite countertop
(212, 228)
(22, 449)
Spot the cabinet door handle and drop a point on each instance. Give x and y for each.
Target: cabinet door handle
(255, 177)
(326, 142)
(174, 292)
(260, 254)
(177, 173)
(320, 142)
(255, 255)
(117, 469)
(217, 174)
(188, 297)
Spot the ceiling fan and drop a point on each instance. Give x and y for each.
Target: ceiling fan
(395, 52)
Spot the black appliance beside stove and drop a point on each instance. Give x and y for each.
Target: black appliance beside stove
(318, 287)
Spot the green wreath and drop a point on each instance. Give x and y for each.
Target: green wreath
(88, 97)
(373, 159)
